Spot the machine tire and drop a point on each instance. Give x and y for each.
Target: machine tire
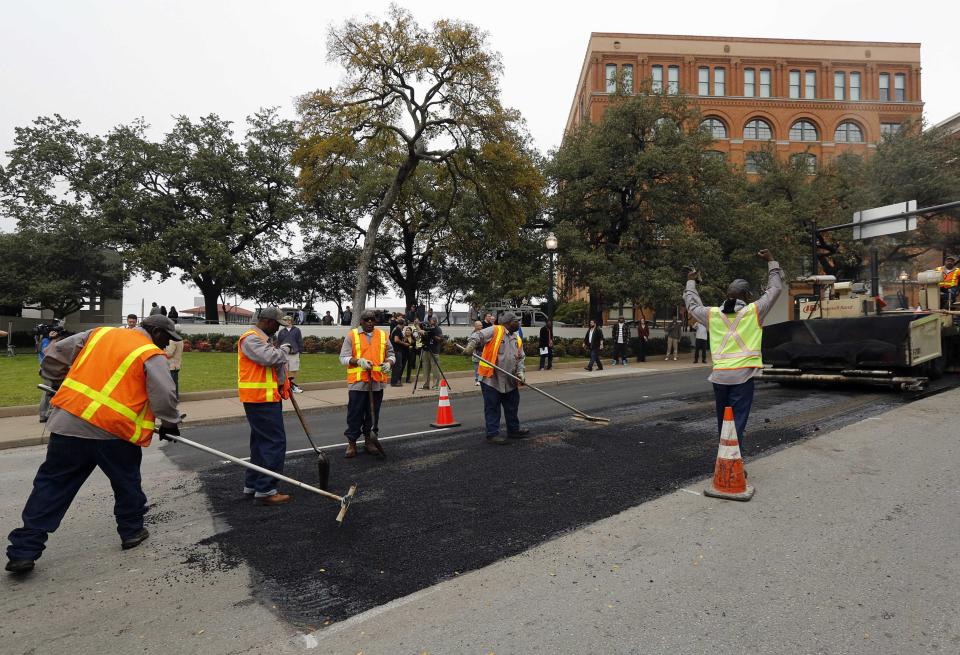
(936, 367)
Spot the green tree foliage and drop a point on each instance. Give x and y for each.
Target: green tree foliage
(57, 270)
(411, 97)
(637, 198)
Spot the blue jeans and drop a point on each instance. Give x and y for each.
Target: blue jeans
(595, 359)
(740, 398)
(358, 412)
(69, 462)
(268, 445)
(493, 400)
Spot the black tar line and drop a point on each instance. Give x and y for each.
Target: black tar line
(443, 505)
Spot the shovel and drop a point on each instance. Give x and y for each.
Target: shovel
(577, 412)
(323, 464)
(375, 421)
(344, 500)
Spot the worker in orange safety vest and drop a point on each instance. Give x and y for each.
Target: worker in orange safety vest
(114, 385)
(368, 355)
(262, 385)
(949, 280)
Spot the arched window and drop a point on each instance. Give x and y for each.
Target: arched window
(805, 161)
(758, 130)
(848, 133)
(714, 155)
(716, 128)
(803, 131)
(757, 161)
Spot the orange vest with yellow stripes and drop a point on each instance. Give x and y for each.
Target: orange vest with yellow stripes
(492, 350)
(373, 349)
(255, 383)
(107, 386)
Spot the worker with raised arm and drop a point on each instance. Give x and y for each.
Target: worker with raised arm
(114, 386)
(736, 332)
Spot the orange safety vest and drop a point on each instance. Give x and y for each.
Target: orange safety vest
(949, 278)
(256, 383)
(492, 350)
(375, 351)
(109, 390)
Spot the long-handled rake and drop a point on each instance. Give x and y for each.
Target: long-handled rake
(577, 412)
(344, 500)
(323, 463)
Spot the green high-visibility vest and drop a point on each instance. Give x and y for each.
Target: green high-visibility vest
(735, 338)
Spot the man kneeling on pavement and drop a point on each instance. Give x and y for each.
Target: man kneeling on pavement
(368, 355)
(113, 384)
(501, 346)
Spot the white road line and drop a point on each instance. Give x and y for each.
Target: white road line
(695, 493)
(340, 445)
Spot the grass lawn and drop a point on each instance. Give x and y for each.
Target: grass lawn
(200, 372)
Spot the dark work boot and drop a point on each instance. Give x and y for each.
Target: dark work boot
(20, 566)
(135, 540)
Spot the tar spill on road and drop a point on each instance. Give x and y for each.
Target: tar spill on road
(440, 506)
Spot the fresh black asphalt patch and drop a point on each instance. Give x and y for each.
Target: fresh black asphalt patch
(439, 506)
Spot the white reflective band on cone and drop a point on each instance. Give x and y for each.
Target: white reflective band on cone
(444, 402)
(729, 452)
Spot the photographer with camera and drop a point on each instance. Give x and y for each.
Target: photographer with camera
(433, 337)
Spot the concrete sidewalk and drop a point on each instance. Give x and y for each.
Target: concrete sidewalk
(17, 431)
(849, 546)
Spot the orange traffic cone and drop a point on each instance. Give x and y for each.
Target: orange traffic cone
(444, 411)
(729, 480)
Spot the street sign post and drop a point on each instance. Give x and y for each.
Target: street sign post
(894, 223)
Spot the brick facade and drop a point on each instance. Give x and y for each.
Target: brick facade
(775, 63)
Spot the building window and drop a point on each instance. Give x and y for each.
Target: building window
(884, 87)
(756, 162)
(810, 85)
(714, 155)
(749, 82)
(758, 130)
(764, 82)
(657, 72)
(716, 128)
(855, 86)
(839, 85)
(719, 82)
(889, 129)
(805, 162)
(703, 81)
(803, 131)
(899, 87)
(794, 84)
(91, 304)
(848, 133)
(628, 78)
(673, 80)
(611, 78)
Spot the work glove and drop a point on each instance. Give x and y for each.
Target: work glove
(168, 429)
(523, 377)
(286, 348)
(385, 368)
(365, 364)
(471, 348)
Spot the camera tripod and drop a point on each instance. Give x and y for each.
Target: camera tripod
(436, 362)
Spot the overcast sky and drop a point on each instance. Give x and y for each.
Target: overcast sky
(109, 61)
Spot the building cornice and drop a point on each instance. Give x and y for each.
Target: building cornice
(743, 39)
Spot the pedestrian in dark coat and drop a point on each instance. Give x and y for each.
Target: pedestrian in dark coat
(593, 341)
(546, 345)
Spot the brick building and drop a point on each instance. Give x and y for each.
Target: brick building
(812, 99)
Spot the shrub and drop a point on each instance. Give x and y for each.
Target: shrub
(226, 344)
(202, 346)
(187, 345)
(312, 345)
(332, 345)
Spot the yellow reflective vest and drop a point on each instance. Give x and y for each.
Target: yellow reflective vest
(735, 339)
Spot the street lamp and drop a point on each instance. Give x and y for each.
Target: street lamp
(551, 245)
(903, 288)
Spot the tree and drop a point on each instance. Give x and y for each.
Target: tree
(57, 270)
(411, 97)
(632, 192)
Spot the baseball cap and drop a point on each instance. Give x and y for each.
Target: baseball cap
(164, 323)
(271, 313)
